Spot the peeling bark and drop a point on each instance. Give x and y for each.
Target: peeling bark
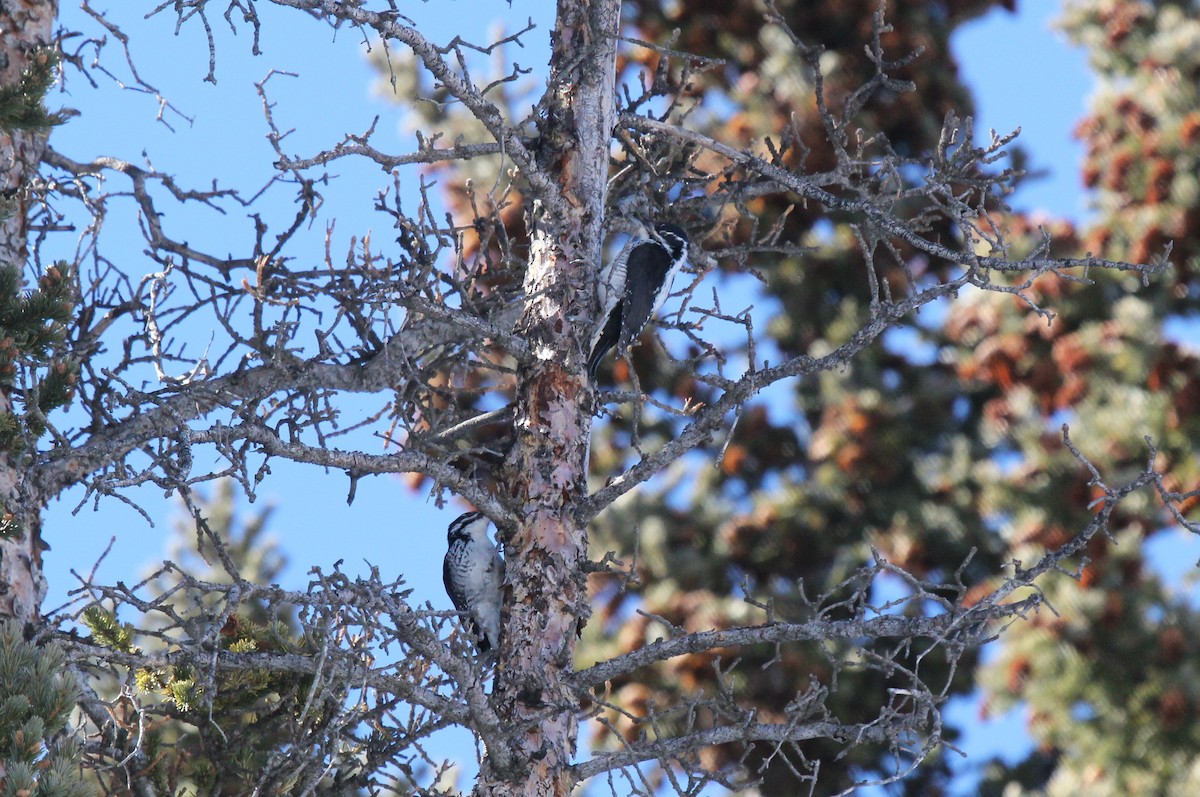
(548, 469)
(25, 25)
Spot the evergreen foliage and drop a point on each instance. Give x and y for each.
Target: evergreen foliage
(1109, 682)
(38, 757)
(942, 448)
(220, 731)
(32, 336)
(22, 104)
(32, 324)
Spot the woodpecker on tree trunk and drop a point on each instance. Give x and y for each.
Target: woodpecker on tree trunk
(633, 288)
(473, 573)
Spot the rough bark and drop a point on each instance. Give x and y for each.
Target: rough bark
(25, 26)
(547, 477)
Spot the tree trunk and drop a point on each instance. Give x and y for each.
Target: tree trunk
(548, 475)
(25, 28)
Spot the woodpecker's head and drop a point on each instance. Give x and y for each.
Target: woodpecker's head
(675, 239)
(466, 526)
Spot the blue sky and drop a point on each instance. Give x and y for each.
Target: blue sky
(389, 526)
(1044, 91)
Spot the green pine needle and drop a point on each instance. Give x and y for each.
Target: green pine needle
(22, 105)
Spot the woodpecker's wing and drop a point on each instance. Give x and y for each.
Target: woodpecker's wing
(448, 583)
(610, 291)
(648, 265)
(612, 279)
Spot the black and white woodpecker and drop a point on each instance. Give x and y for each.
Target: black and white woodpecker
(473, 573)
(633, 288)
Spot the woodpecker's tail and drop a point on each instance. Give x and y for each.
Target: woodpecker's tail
(604, 341)
(481, 638)
(593, 363)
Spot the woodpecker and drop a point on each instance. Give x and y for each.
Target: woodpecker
(473, 573)
(634, 287)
